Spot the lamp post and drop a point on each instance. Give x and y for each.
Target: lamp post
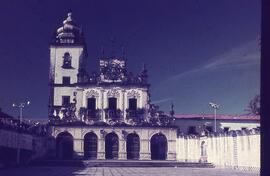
(20, 106)
(215, 107)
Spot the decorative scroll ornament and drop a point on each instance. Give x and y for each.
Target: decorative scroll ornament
(132, 94)
(92, 93)
(113, 93)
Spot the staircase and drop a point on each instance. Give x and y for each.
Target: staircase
(119, 163)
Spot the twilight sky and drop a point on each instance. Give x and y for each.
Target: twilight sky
(195, 51)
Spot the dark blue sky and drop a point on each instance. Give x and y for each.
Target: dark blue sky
(196, 51)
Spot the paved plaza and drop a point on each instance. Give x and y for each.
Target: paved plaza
(122, 171)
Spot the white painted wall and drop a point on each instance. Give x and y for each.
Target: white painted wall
(56, 61)
(224, 150)
(59, 92)
(184, 124)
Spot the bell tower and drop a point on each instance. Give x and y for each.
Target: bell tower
(67, 57)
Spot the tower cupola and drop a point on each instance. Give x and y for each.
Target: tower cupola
(68, 34)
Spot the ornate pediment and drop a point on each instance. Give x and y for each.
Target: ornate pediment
(113, 93)
(92, 93)
(133, 94)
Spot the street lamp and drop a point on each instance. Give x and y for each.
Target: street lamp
(215, 107)
(20, 106)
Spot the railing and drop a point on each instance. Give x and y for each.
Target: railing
(113, 114)
(135, 114)
(92, 114)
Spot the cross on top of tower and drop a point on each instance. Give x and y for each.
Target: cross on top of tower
(69, 16)
(113, 46)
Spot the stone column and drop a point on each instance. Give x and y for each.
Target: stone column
(102, 105)
(122, 155)
(101, 147)
(123, 105)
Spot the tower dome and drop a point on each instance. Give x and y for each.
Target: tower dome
(68, 34)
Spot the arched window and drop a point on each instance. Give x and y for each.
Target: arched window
(67, 60)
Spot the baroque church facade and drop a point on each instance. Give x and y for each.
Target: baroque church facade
(105, 115)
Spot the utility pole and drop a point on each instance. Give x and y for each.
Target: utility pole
(215, 107)
(20, 106)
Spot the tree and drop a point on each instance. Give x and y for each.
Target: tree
(254, 106)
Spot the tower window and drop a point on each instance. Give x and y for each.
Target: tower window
(66, 80)
(67, 61)
(132, 103)
(65, 100)
(112, 103)
(91, 103)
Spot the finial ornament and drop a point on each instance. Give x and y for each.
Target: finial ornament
(69, 18)
(172, 109)
(69, 12)
(113, 45)
(102, 52)
(123, 52)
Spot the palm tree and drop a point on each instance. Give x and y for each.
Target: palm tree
(254, 106)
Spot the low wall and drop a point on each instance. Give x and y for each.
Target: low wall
(236, 149)
(31, 147)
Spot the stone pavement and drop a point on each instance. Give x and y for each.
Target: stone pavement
(122, 171)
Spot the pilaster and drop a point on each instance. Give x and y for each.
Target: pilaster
(123, 105)
(102, 105)
(101, 149)
(122, 155)
(78, 148)
(145, 153)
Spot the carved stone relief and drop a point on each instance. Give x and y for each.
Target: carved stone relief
(113, 93)
(132, 94)
(92, 93)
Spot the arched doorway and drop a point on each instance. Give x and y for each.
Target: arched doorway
(64, 146)
(111, 146)
(158, 147)
(90, 146)
(133, 146)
